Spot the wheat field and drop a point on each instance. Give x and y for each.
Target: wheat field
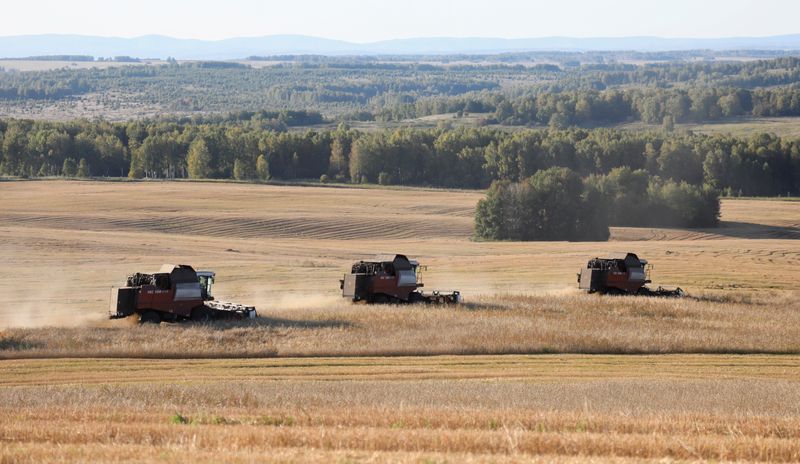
(65, 243)
(443, 409)
(527, 370)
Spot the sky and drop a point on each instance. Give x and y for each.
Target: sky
(368, 21)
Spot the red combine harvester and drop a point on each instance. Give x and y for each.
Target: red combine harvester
(620, 274)
(175, 293)
(391, 280)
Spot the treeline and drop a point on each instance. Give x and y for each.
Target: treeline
(607, 59)
(20, 86)
(590, 108)
(82, 58)
(463, 158)
(274, 119)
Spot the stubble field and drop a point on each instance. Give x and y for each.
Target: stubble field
(711, 377)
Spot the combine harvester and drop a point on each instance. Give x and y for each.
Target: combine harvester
(391, 280)
(175, 293)
(620, 274)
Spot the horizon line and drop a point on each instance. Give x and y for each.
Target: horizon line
(594, 37)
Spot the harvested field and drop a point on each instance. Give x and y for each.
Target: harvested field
(555, 322)
(509, 409)
(319, 379)
(285, 247)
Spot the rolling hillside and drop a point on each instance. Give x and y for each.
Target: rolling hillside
(275, 243)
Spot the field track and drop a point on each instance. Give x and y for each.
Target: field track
(540, 368)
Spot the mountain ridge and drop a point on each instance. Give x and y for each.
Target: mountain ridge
(162, 46)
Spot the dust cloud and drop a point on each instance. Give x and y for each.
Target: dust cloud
(36, 294)
(28, 308)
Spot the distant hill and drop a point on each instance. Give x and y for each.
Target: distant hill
(156, 46)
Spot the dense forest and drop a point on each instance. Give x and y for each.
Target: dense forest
(587, 91)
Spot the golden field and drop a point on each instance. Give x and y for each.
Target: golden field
(527, 370)
(285, 247)
(550, 322)
(403, 409)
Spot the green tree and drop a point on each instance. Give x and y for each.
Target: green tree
(242, 170)
(339, 161)
(112, 155)
(731, 105)
(683, 205)
(83, 168)
(678, 161)
(262, 168)
(136, 170)
(14, 149)
(490, 218)
(669, 123)
(69, 168)
(558, 120)
(199, 160)
(556, 205)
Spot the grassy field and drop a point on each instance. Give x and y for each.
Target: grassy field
(714, 376)
(787, 127)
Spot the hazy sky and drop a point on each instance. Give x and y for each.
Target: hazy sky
(364, 21)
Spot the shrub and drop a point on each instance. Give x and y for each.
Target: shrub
(177, 418)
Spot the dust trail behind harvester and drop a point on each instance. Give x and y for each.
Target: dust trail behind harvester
(36, 293)
(289, 301)
(23, 309)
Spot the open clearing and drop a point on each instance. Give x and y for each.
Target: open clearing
(319, 379)
(744, 126)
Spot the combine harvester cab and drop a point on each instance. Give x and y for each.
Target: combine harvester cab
(620, 274)
(391, 280)
(175, 293)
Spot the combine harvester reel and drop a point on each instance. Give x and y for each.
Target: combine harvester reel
(391, 280)
(175, 293)
(621, 274)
